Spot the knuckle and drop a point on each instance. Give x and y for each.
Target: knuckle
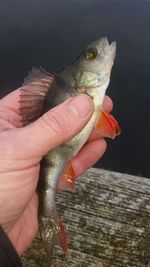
(53, 123)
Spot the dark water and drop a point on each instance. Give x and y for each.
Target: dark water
(52, 34)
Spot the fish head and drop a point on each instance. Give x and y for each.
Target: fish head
(99, 56)
(93, 67)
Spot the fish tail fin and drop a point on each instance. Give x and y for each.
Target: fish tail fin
(53, 232)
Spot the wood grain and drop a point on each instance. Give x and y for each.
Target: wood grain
(108, 223)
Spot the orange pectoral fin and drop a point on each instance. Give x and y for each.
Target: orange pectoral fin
(107, 126)
(67, 180)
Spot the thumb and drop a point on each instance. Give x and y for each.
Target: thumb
(56, 126)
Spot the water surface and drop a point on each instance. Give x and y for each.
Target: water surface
(52, 33)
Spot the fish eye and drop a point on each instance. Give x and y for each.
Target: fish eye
(91, 53)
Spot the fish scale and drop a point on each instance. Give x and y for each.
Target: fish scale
(88, 74)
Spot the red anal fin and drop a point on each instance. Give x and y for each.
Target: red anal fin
(67, 180)
(107, 125)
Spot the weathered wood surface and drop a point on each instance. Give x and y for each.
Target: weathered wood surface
(108, 223)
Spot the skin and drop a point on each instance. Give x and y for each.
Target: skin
(22, 148)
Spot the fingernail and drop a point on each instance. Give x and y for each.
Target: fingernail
(80, 106)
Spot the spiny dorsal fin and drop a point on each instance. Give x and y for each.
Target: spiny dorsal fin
(33, 92)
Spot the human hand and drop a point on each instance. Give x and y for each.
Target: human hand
(22, 148)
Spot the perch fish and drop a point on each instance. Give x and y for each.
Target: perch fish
(88, 74)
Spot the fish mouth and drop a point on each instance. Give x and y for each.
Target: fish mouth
(109, 48)
(112, 48)
(104, 42)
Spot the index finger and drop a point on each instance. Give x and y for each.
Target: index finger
(12, 101)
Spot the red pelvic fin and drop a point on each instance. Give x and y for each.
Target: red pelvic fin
(67, 180)
(107, 125)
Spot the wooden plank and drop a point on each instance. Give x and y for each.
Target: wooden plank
(108, 223)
